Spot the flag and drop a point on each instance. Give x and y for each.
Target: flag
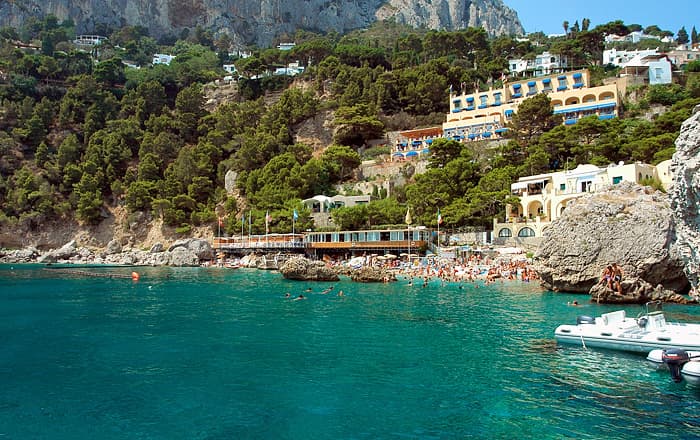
(243, 219)
(267, 222)
(439, 217)
(295, 215)
(408, 216)
(504, 78)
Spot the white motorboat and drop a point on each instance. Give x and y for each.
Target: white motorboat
(682, 364)
(644, 333)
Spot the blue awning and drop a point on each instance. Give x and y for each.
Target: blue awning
(587, 107)
(517, 95)
(530, 83)
(425, 150)
(403, 144)
(470, 99)
(397, 154)
(546, 81)
(560, 88)
(472, 136)
(456, 100)
(412, 153)
(516, 86)
(561, 77)
(608, 116)
(577, 75)
(509, 112)
(578, 85)
(417, 142)
(501, 130)
(456, 110)
(471, 107)
(428, 141)
(486, 134)
(570, 122)
(457, 137)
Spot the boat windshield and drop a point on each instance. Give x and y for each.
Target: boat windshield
(653, 306)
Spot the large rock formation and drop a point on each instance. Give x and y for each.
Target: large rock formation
(259, 22)
(301, 268)
(685, 196)
(628, 224)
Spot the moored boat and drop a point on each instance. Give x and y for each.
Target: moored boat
(617, 331)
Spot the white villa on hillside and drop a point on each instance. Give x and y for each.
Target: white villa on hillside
(543, 197)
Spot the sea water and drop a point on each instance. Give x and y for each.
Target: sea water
(194, 353)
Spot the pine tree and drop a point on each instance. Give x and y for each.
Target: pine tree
(682, 36)
(694, 37)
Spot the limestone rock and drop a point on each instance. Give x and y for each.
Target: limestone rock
(636, 291)
(301, 268)
(230, 181)
(628, 224)
(156, 248)
(113, 247)
(200, 247)
(182, 256)
(685, 196)
(260, 23)
(370, 274)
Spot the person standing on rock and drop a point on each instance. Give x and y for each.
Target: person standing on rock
(617, 277)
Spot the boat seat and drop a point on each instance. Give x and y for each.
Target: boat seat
(613, 318)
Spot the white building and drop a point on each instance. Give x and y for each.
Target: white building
(286, 46)
(545, 63)
(292, 69)
(543, 197)
(621, 57)
(653, 69)
(161, 58)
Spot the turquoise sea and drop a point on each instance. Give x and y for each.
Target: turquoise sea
(200, 353)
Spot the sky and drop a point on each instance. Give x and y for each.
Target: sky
(547, 15)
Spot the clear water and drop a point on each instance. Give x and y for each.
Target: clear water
(221, 354)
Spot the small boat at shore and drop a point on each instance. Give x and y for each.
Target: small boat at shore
(617, 331)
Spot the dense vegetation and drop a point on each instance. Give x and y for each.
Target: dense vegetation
(82, 131)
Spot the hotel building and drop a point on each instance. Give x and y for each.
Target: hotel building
(484, 115)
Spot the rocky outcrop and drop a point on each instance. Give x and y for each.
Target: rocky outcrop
(301, 268)
(636, 291)
(260, 22)
(370, 274)
(628, 224)
(199, 247)
(685, 196)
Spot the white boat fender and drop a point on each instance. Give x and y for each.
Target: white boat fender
(675, 358)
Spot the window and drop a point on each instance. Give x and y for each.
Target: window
(505, 232)
(616, 180)
(658, 72)
(483, 99)
(562, 83)
(562, 186)
(526, 232)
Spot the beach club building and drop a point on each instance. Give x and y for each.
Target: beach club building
(484, 115)
(543, 197)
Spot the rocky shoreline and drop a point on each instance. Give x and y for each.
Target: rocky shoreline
(187, 252)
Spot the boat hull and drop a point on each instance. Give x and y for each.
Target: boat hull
(631, 340)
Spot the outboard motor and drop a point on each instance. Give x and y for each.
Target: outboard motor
(583, 319)
(675, 358)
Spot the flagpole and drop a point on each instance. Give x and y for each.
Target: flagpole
(250, 224)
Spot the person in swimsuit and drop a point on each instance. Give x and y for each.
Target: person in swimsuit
(617, 277)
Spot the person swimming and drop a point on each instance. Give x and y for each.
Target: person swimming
(300, 297)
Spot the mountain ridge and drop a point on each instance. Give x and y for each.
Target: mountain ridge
(261, 22)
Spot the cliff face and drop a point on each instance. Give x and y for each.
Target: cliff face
(259, 22)
(685, 196)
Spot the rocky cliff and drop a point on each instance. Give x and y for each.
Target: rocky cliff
(259, 22)
(629, 224)
(685, 196)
